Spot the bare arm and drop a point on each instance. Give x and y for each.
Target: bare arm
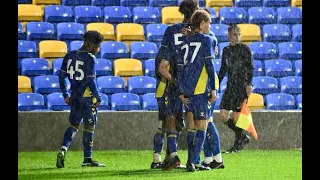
(164, 70)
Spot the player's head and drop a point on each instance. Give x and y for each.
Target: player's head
(234, 34)
(92, 41)
(201, 21)
(187, 8)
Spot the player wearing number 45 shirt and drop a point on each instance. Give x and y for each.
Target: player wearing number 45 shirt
(79, 67)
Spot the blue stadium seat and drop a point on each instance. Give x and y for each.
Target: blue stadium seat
(35, 67)
(291, 84)
(263, 50)
(20, 32)
(298, 67)
(74, 45)
(278, 68)
(87, 14)
(70, 31)
(155, 32)
(104, 104)
(56, 65)
(141, 84)
(103, 67)
(40, 31)
(113, 50)
(297, 32)
(290, 50)
(24, 1)
(258, 68)
(221, 32)
(110, 84)
(223, 84)
(143, 50)
(262, 15)
(289, 15)
(248, 3)
(218, 101)
(46, 84)
(162, 3)
(149, 102)
(299, 101)
(30, 101)
(117, 14)
(146, 15)
(280, 101)
(149, 67)
(213, 14)
(133, 3)
(221, 46)
(233, 15)
(76, 2)
(202, 3)
(56, 102)
(276, 33)
(125, 102)
(217, 65)
(57, 14)
(276, 3)
(27, 49)
(265, 85)
(103, 3)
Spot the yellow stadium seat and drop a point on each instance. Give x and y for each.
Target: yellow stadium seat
(250, 32)
(255, 101)
(171, 15)
(296, 3)
(130, 32)
(52, 49)
(24, 84)
(219, 3)
(106, 29)
(127, 68)
(29, 12)
(45, 2)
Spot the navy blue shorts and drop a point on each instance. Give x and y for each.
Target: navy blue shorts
(162, 115)
(81, 109)
(199, 106)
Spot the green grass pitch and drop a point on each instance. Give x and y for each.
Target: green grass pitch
(249, 164)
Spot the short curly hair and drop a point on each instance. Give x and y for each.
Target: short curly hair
(93, 37)
(187, 8)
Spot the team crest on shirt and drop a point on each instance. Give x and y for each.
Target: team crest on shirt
(201, 113)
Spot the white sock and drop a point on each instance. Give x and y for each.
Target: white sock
(156, 157)
(218, 157)
(64, 148)
(207, 160)
(173, 154)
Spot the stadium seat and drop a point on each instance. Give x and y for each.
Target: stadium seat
(74, 45)
(276, 3)
(125, 102)
(56, 65)
(149, 68)
(218, 101)
(103, 3)
(58, 14)
(143, 50)
(104, 104)
(223, 84)
(46, 84)
(202, 3)
(52, 49)
(255, 102)
(87, 14)
(24, 1)
(20, 32)
(258, 68)
(278, 68)
(45, 2)
(248, 3)
(233, 15)
(106, 29)
(56, 102)
(111, 84)
(213, 14)
(280, 101)
(250, 32)
(162, 3)
(103, 67)
(146, 15)
(35, 67)
(299, 101)
(220, 3)
(217, 65)
(141, 85)
(70, 31)
(129, 32)
(171, 15)
(76, 2)
(127, 67)
(262, 15)
(289, 15)
(155, 32)
(291, 84)
(149, 102)
(221, 32)
(290, 50)
(296, 3)
(30, 101)
(133, 3)
(24, 84)
(265, 85)
(297, 32)
(117, 14)
(221, 46)
(27, 49)
(263, 50)
(40, 31)
(29, 12)
(298, 67)
(276, 33)
(113, 50)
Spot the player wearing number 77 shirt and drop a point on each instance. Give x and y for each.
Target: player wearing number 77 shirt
(79, 67)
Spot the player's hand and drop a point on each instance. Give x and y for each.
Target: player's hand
(216, 50)
(173, 81)
(67, 100)
(186, 30)
(184, 100)
(249, 90)
(97, 104)
(213, 96)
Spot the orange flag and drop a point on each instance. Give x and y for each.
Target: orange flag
(245, 121)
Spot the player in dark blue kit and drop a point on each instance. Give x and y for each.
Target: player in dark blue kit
(196, 82)
(167, 89)
(79, 67)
